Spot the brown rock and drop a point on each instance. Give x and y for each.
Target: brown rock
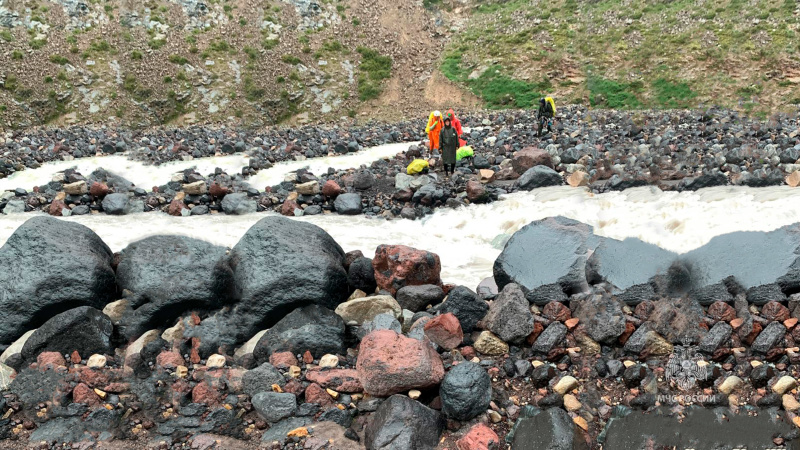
(476, 192)
(56, 207)
(479, 437)
(397, 266)
(86, 395)
(169, 360)
(331, 189)
(75, 357)
(50, 360)
(529, 157)
(318, 395)
(98, 189)
(288, 207)
(487, 175)
(390, 363)
(341, 380)
(445, 331)
(205, 394)
(282, 360)
(175, 207)
(721, 311)
(774, 311)
(215, 190)
(578, 178)
(793, 179)
(556, 311)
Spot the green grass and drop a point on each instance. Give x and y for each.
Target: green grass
(101, 46)
(290, 59)
(673, 94)
(156, 44)
(16, 55)
(374, 68)
(6, 35)
(58, 59)
(605, 93)
(136, 55)
(36, 44)
(178, 59)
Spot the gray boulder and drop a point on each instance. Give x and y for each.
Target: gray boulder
(601, 316)
(348, 204)
(552, 429)
(238, 204)
(274, 406)
(169, 275)
(510, 316)
(119, 204)
(312, 328)
(50, 266)
(466, 306)
(401, 423)
(416, 298)
(83, 329)
(466, 391)
(361, 275)
(539, 176)
(261, 379)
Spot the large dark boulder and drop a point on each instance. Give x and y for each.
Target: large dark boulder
(401, 423)
(281, 264)
(759, 260)
(84, 329)
(466, 306)
(169, 275)
(539, 176)
(361, 275)
(416, 298)
(313, 328)
(601, 316)
(466, 391)
(552, 429)
(547, 258)
(50, 266)
(629, 266)
(348, 204)
(510, 315)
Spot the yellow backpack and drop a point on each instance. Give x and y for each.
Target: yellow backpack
(552, 104)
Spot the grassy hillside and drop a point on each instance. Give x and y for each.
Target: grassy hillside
(630, 54)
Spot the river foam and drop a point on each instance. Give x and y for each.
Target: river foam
(469, 239)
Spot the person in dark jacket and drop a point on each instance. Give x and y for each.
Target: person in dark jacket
(546, 114)
(448, 144)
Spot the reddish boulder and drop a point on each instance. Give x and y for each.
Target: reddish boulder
(86, 395)
(215, 190)
(282, 360)
(556, 311)
(341, 380)
(397, 266)
(476, 192)
(169, 360)
(529, 157)
(479, 437)
(331, 189)
(98, 189)
(390, 363)
(50, 360)
(403, 195)
(775, 312)
(445, 331)
(56, 207)
(721, 311)
(318, 395)
(175, 207)
(288, 207)
(205, 394)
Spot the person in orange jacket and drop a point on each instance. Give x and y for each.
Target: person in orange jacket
(457, 125)
(433, 128)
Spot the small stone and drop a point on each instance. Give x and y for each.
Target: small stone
(96, 361)
(414, 394)
(298, 432)
(489, 344)
(790, 403)
(581, 422)
(495, 416)
(565, 384)
(571, 403)
(784, 384)
(730, 384)
(215, 361)
(294, 371)
(329, 361)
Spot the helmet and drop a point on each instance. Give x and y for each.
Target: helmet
(541, 100)
(437, 114)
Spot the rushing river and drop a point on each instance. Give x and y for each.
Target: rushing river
(467, 239)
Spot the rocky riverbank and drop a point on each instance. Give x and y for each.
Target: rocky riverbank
(287, 341)
(600, 150)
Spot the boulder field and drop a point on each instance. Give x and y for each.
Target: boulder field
(288, 341)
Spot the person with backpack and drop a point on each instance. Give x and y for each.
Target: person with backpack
(547, 111)
(448, 141)
(433, 128)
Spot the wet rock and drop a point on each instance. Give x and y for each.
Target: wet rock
(551, 429)
(466, 306)
(538, 177)
(530, 157)
(444, 331)
(361, 275)
(509, 315)
(627, 264)
(416, 298)
(397, 266)
(383, 321)
(309, 188)
(279, 265)
(50, 266)
(274, 406)
(331, 189)
(479, 437)
(238, 204)
(261, 379)
(716, 337)
(389, 363)
(601, 316)
(313, 328)
(119, 204)
(340, 380)
(278, 431)
(466, 391)
(348, 204)
(402, 423)
(167, 275)
(489, 344)
(768, 338)
(551, 337)
(83, 329)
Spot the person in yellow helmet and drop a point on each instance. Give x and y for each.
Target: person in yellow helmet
(433, 128)
(417, 166)
(547, 111)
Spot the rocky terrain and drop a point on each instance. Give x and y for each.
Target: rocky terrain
(287, 341)
(601, 150)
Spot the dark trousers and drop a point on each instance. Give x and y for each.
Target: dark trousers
(449, 168)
